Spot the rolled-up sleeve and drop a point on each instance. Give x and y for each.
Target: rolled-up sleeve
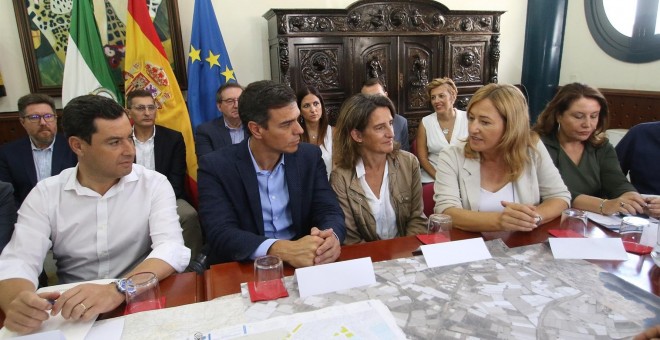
(165, 229)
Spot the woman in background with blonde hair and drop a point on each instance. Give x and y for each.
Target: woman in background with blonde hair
(445, 126)
(378, 186)
(502, 178)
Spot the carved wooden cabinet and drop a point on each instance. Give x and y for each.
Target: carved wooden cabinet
(403, 43)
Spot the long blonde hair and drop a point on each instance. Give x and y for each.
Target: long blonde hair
(517, 138)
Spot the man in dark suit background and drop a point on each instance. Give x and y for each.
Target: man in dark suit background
(41, 154)
(226, 129)
(373, 86)
(270, 193)
(164, 150)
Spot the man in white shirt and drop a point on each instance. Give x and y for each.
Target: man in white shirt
(105, 218)
(164, 150)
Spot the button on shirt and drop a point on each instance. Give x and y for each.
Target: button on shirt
(43, 160)
(237, 134)
(144, 152)
(380, 207)
(94, 236)
(274, 197)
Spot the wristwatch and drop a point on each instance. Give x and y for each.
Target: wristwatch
(538, 219)
(122, 285)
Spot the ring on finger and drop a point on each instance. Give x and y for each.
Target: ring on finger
(83, 306)
(622, 204)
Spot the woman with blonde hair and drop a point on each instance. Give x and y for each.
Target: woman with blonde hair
(572, 127)
(378, 186)
(315, 123)
(445, 126)
(502, 178)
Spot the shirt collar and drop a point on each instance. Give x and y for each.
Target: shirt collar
(359, 168)
(72, 183)
(232, 128)
(148, 140)
(254, 162)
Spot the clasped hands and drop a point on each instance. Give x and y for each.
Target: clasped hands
(85, 302)
(517, 217)
(319, 247)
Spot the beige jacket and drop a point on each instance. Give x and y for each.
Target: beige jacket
(405, 194)
(458, 180)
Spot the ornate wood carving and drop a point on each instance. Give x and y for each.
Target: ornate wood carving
(284, 60)
(467, 63)
(320, 68)
(494, 57)
(403, 43)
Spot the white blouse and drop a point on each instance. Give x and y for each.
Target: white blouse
(436, 140)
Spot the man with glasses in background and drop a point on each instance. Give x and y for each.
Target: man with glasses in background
(41, 154)
(226, 129)
(164, 150)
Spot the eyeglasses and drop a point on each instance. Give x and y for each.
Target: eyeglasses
(48, 118)
(142, 108)
(230, 101)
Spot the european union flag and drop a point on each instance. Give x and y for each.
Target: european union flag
(208, 64)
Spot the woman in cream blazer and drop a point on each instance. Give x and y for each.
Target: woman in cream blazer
(378, 186)
(502, 178)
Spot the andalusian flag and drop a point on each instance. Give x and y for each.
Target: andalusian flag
(86, 70)
(146, 67)
(209, 66)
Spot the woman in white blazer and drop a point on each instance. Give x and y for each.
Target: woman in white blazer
(502, 178)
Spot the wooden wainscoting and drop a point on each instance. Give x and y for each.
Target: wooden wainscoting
(629, 107)
(10, 127)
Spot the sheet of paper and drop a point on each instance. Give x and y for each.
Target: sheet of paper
(454, 252)
(610, 222)
(110, 329)
(72, 330)
(588, 248)
(336, 276)
(369, 319)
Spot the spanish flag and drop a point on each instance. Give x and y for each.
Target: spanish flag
(146, 67)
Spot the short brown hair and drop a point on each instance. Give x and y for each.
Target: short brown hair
(437, 82)
(223, 87)
(354, 114)
(137, 94)
(34, 98)
(546, 123)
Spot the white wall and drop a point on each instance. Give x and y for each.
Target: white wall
(245, 34)
(584, 61)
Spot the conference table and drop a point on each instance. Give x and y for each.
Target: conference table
(179, 289)
(226, 278)
(639, 270)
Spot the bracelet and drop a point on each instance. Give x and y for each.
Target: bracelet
(600, 208)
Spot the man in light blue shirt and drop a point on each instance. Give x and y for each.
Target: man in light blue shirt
(270, 193)
(39, 155)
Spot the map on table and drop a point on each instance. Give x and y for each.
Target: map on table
(521, 293)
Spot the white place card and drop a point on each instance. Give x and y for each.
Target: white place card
(336, 276)
(454, 252)
(588, 248)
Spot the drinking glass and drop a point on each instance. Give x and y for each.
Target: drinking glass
(142, 293)
(574, 219)
(268, 274)
(632, 228)
(440, 224)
